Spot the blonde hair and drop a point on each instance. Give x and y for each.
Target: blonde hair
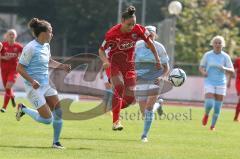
(221, 38)
(10, 31)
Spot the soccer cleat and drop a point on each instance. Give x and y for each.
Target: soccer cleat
(212, 128)
(117, 126)
(3, 110)
(20, 113)
(13, 102)
(204, 120)
(144, 139)
(57, 145)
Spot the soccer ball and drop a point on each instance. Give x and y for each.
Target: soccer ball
(177, 77)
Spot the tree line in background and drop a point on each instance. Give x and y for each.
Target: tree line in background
(80, 25)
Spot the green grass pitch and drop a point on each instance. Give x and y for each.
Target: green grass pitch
(182, 137)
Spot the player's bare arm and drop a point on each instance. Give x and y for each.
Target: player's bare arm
(104, 59)
(56, 64)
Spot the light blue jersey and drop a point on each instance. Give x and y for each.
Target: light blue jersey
(145, 60)
(212, 62)
(35, 58)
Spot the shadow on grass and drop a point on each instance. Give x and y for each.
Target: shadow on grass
(40, 147)
(98, 139)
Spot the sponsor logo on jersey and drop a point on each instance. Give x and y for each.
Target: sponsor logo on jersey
(126, 44)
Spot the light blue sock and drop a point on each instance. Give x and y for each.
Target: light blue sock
(35, 115)
(57, 124)
(208, 104)
(217, 110)
(149, 115)
(108, 98)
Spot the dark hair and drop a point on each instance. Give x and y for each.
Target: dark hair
(129, 13)
(38, 25)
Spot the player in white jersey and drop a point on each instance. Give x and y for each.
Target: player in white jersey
(144, 59)
(33, 67)
(214, 66)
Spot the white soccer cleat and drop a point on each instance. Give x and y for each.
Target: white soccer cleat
(57, 145)
(144, 139)
(117, 126)
(3, 110)
(20, 113)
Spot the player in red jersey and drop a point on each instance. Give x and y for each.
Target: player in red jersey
(10, 51)
(120, 41)
(237, 84)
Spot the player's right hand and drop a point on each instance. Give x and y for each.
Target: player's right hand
(35, 84)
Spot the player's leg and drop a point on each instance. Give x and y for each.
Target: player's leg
(208, 103)
(42, 114)
(4, 75)
(118, 88)
(148, 116)
(54, 104)
(129, 78)
(13, 77)
(237, 109)
(220, 93)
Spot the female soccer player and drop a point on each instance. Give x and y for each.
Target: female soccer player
(120, 40)
(237, 85)
(33, 67)
(214, 66)
(145, 60)
(10, 51)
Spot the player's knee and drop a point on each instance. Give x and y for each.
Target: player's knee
(57, 114)
(130, 99)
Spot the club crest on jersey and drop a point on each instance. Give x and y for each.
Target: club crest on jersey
(134, 36)
(126, 44)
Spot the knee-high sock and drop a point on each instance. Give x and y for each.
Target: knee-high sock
(108, 98)
(57, 124)
(7, 96)
(217, 110)
(36, 116)
(117, 102)
(149, 115)
(237, 111)
(208, 104)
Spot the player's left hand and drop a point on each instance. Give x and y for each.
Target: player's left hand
(159, 79)
(66, 67)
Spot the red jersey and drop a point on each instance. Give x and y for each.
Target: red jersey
(120, 46)
(13, 51)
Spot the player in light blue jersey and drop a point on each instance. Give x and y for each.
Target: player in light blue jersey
(214, 66)
(33, 67)
(145, 62)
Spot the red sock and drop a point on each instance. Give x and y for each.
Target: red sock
(7, 96)
(117, 102)
(237, 111)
